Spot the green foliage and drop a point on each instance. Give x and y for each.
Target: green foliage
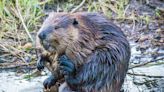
(108, 7)
(145, 18)
(30, 10)
(19, 18)
(158, 13)
(28, 77)
(120, 7)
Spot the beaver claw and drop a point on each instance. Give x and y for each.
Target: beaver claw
(40, 64)
(49, 82)
(66, 65)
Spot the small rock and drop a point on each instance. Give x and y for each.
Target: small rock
(143, 47)
(27, 46)
(27, 59)
(157, 37)
(161, 41)
(159, 31)
(143, 38)
(153, 26)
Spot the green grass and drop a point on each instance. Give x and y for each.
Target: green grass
(13, 34)
(30, 10)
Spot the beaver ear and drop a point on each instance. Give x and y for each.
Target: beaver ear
(75, 22)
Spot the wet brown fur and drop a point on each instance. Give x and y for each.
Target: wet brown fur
(97, 47)
(50, 63)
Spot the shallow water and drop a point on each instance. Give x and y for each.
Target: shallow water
(143, 83)
(144, 78)
(13, 82)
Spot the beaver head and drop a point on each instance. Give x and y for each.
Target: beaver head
(57, 32)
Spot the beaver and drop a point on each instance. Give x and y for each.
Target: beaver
(93, 53)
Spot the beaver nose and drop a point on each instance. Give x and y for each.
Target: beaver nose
(45, 32)
(42, 35)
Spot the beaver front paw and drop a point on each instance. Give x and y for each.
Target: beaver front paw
(40, 64)
(49, 82)
(67, 66)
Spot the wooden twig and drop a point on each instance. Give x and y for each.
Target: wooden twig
(14, 65)
(103, 7)
(126, 9)
(23, 23)
(79, 6)
(143, 64)
(43, 2)
(58, 6)
(150, 76)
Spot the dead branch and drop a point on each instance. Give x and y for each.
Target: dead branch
(79, 6)
(144, 75)
(15, 65)
(143, 64)
(23, 23)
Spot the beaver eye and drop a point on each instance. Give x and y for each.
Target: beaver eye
(56, 27)
(75, 22)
